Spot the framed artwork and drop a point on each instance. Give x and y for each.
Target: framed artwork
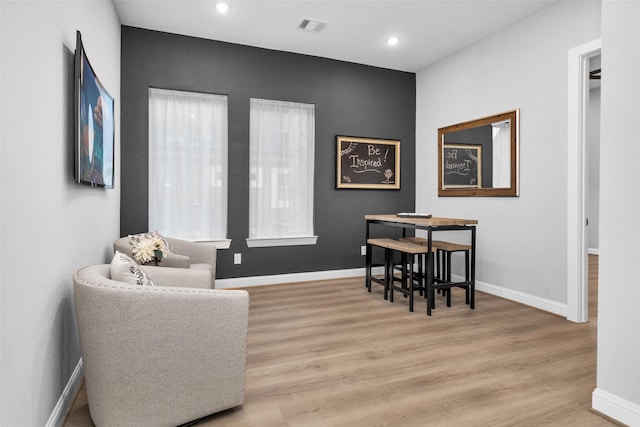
(461, 166)
(368, 163)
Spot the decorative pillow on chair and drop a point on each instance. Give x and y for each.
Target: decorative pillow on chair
(149, 247)
(124, 269)
(137, 239)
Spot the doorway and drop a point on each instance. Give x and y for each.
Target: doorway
(593, 156)
(580, 59)
(592, 146)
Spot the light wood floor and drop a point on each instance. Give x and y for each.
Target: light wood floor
(331, 354)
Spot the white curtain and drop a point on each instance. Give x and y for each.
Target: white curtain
(282, 140)
(188, 164)
(501, 154)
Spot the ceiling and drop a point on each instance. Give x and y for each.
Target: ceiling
(357, 30)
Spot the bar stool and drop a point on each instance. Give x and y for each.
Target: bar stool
(443, 266)
(380, 243)
(445, 249)
(424, 242)
(408, 251)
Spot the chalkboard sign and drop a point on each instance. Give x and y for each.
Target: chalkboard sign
(368, 163)
(462, 166)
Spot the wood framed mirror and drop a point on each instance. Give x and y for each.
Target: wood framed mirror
(480, 157)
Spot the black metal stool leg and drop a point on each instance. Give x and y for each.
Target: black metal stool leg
(420, 274)
(368, 257)
(431, 304)
(388, 273)
(403, 258)
(448, 290)
(467, 289)
(411, 278)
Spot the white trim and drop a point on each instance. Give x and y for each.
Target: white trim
(281, 241)
(594, 251)
(577, 275)
(279, 279)
(520, 297)
(615, 407)
(57, 417)
(220, 244)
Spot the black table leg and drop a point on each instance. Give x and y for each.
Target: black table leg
(472, 299)
(367, 282)
(431, 293)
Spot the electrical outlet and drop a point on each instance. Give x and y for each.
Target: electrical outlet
(363, 250)
(237, 258)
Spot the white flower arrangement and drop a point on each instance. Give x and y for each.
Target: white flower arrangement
(148, 250)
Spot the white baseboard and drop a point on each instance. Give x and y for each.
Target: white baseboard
(593, 251)
(614, 407)
(277, 279)
(523, 298)
(57, 417)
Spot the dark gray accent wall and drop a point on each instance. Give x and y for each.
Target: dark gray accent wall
(350, 99)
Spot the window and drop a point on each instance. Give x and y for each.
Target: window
(188, 164)
(281, 160)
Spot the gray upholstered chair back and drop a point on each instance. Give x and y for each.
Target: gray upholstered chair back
(158, 355)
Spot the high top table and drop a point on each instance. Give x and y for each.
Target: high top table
(430, 224)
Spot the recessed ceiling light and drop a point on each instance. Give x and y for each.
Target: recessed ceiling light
(222, 7)
(392, 41)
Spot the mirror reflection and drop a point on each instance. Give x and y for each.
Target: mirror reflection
(479, 157)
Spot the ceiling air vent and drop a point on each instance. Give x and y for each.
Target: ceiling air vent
(312, 25)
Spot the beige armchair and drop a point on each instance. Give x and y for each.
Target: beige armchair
(160, 355)
(186, 254)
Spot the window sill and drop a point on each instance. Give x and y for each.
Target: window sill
(220, 244)
(281, 241)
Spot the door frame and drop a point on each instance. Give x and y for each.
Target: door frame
(577, 247)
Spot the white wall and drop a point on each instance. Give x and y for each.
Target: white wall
(521, 241)
(50, 226)
(618, 375)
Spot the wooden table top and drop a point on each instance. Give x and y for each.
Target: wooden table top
(433, 221)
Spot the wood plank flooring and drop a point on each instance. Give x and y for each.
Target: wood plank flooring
(331, 354)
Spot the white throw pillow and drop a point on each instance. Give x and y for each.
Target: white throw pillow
(124, 269)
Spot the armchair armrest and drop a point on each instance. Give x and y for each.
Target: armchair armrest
(198, 253)
(176, 260)
(178, 277)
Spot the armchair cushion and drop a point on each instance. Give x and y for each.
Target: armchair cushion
(176, 261)
(178, 277)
